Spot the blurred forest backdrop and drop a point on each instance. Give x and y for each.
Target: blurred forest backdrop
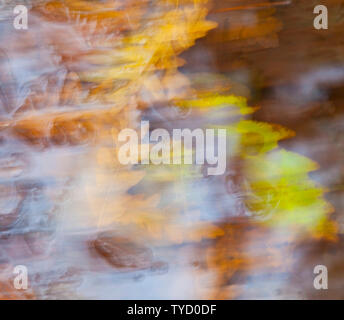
(88, 227)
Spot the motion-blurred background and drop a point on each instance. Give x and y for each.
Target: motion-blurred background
(88, 227)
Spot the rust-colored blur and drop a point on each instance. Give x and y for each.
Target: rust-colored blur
(87, 226)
